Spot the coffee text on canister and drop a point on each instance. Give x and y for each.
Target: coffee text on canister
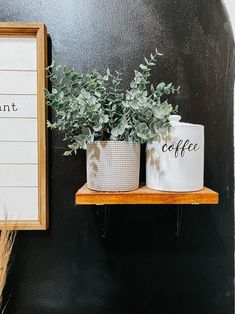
(180, 148)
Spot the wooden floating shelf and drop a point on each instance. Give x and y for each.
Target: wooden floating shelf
(144, 195)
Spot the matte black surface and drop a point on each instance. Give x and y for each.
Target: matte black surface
(142, 268)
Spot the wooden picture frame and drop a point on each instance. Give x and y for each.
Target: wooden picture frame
(23, 164)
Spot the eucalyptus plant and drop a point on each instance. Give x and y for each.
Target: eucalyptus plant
(93, 107)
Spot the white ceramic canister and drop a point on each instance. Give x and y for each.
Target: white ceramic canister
(176, 162)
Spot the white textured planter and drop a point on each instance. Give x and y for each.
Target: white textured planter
(113, 166)
(176, 163)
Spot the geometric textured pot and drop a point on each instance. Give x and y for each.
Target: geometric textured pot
(113, 166)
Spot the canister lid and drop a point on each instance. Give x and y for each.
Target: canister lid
(175, 121)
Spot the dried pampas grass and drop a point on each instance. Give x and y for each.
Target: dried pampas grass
(7, 238)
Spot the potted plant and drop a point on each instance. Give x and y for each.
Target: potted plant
(93, 112)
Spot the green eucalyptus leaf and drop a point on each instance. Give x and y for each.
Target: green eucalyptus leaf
(67, 153)
(134, 104)
(75, 85)
(160, 86)
(158, 53)
(97, 128)
(143, 67)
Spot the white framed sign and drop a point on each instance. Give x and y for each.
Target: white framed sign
(23, 134)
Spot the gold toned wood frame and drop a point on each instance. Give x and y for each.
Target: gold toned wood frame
(38, 31)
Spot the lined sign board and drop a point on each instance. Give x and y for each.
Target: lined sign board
(23, 180)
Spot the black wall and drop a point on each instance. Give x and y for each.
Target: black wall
(142, 267)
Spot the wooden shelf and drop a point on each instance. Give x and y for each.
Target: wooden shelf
(144, 195)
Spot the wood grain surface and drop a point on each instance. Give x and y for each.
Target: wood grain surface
(144, 195)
